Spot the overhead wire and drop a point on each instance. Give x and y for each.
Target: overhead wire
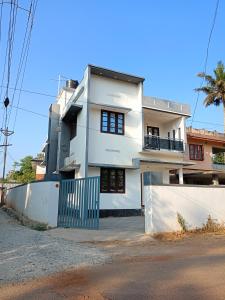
(206, 57)
(11, 35)
(1, 9)
(35, 2)
(22, 56)
(97, 130)
(32, 92)
(4, 68)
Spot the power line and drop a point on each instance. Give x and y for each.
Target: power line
(9, 52)
(17, 5)
(206, 57)
(11, 35)
(22, 55)
(26, 57)
(94, 129)
(1, 23)
(209, 123)
(30, 92)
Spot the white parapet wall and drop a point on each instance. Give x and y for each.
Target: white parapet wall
(194, 203)
(38, 201)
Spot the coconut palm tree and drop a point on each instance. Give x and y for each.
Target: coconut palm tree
(215, 88)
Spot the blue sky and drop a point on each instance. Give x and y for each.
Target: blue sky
(163, 41)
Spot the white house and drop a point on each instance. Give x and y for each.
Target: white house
(104, 126)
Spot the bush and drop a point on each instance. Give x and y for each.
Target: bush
(212, 225)
(182, 222)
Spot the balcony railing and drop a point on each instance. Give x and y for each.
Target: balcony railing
(157, 143)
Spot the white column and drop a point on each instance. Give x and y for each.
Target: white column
(181, 178)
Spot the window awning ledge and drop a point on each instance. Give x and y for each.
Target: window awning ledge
(109, 107)
(71, 112)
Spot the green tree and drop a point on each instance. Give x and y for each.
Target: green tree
(25, 173)
(215, 88)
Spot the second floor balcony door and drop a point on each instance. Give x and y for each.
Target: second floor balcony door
(153, 133)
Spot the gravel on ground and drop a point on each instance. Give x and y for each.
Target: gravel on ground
(192, 268)
(28, 254)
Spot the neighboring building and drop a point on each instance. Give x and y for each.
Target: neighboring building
(207, 150)
(40, 169)
(105, 127)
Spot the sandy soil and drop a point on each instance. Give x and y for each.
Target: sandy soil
(192, 268)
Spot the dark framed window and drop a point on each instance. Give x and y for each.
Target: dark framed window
(196, 152)
(112, 122)
(112, 180)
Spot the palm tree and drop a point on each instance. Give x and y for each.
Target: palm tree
(215, 88)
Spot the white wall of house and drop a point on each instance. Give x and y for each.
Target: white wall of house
(114, 150)
(132, 197)
(194, 203)
(37, 201)
(111, 148)
(78, 143)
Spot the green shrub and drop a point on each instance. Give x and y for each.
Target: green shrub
(182, 222)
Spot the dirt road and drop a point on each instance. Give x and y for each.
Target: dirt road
(193, 268)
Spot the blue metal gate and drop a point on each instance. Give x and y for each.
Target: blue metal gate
(79, 203)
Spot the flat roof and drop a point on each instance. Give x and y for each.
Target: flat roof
(100, 71)
(205, 135)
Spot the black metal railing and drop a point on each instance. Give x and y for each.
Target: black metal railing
(158, 143)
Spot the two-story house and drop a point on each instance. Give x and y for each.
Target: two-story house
(105, 127)
(206, 149)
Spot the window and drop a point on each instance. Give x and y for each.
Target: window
(112, 122)
(196, 152)
(112, 180)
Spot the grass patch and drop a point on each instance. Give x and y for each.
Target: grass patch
(23, 220)
(39, 226)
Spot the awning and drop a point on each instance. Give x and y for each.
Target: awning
(162, 162)
(100, 165)
(71, 112)
(115, 108)
(70, 167)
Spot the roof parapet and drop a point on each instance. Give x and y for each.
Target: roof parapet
(166, 105)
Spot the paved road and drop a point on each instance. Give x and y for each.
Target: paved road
(110, 229)
(26, 253)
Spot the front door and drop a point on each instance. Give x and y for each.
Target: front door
(153, 131)
(153, 137)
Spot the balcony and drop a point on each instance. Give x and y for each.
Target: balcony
(152, 142)
(219, 166)
(218, 159)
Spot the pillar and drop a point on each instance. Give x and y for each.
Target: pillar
(181, 177)
(215, 179)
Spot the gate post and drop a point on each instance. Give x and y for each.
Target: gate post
(148, 209)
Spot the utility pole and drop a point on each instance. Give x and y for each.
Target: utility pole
(6, 134)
